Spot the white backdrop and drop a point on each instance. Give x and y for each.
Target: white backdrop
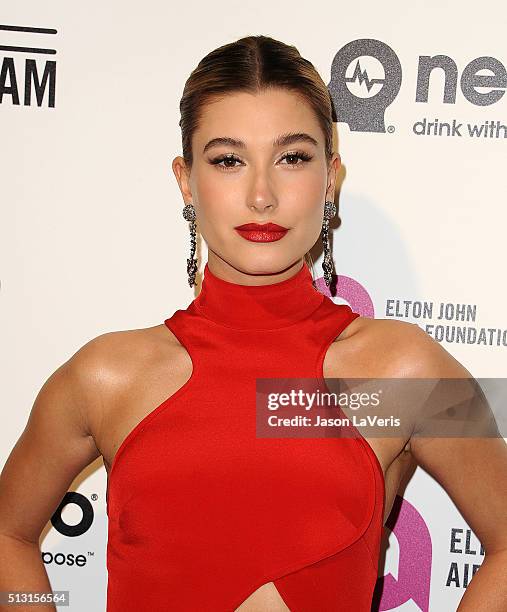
(92, 238)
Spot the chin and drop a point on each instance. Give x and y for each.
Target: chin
(261, 265)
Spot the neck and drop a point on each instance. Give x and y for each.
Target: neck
(220, 268)
(270, 306)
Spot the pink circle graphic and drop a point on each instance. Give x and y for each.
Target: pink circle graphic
(352, 292)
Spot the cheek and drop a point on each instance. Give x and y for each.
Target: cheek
(216, 203)
(308, 207)
(215, 217)
(310, 226)
(308, 217)
(307, 190)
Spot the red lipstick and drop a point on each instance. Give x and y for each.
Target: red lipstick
(268, 232)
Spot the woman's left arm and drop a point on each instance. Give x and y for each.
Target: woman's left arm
(473, 471)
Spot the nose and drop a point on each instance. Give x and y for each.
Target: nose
(261, 207)
(261, 198)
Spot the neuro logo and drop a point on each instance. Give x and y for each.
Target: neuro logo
(365, 79)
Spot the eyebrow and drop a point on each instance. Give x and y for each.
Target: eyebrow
(281, 141)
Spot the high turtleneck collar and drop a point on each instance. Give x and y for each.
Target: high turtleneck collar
(259, 306)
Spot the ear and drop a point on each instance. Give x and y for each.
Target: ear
(182, 174)
(333, 168)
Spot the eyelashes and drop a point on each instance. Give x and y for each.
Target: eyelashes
(301, 155)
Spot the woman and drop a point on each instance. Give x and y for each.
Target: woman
(203, 513)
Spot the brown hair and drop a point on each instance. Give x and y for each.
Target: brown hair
(253, 64)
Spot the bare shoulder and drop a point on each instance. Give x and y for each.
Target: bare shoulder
(364, 339)
(384, 330)
(114, 351)
(399, 349)
(107, 365)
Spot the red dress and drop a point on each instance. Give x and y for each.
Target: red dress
(202, 511)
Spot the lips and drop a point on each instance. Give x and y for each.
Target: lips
(265, 227)
(267, 232)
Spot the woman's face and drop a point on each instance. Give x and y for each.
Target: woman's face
(251, 178)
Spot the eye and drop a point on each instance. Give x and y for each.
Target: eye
(304, 157)
(217, 161)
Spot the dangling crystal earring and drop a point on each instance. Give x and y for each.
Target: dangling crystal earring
(189, 215)
(327, 263)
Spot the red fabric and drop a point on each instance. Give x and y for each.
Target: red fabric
(202, 512)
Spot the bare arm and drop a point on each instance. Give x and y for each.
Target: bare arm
(53, 449)
(473, 471)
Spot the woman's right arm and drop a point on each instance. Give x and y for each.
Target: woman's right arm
(55, 446)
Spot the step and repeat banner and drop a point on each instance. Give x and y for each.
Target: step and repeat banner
(93, 239)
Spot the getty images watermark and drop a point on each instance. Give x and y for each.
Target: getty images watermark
(381, 407)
